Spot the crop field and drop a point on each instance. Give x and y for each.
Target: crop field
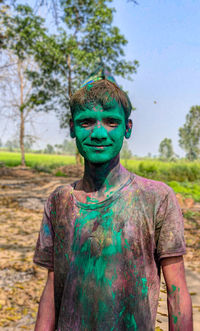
(36, 161)
(182, 176)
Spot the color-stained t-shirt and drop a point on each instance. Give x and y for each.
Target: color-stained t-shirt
(106, 255)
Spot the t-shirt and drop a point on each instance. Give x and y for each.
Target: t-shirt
(106, 255)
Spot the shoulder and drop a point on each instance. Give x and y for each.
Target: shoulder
(61, 193)
(152, 192)
(152, 186)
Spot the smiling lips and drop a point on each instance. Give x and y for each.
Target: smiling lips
(98, 146)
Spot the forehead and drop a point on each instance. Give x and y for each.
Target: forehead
(111, 107)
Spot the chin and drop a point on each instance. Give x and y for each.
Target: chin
(99, 159)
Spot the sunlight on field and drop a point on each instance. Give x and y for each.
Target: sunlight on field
(180, 171)
(11, 159)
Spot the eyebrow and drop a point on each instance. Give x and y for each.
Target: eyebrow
(85, 117)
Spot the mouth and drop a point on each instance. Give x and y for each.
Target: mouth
(98, 146)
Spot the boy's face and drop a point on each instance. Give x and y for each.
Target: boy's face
(100, 130)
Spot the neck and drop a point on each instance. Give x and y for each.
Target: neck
(103, 177)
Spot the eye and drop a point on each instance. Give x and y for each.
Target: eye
(112, 122)
(87, 122)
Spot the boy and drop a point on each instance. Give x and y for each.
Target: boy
(104, 238)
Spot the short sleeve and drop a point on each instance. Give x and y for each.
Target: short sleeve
(44, 251)
(169, 228)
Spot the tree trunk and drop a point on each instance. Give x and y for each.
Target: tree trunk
(78, 156)
(21, 137)
(69, 76)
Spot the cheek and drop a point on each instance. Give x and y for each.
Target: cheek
(117, 134)
(81, 133)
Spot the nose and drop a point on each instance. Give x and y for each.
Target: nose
(99, 132)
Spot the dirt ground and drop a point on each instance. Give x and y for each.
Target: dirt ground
(22, 195)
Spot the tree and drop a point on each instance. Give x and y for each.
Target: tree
(69, 147)
(12, 144)
(166, 149)
(21, 34)
(67, 58)
(28, 143)
(189, 134)
(49, 149)
(53, 5)
(125, 153)
(90, 37)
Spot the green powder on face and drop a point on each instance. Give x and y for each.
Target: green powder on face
(92, 129)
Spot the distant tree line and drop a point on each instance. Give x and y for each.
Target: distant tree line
(68, 147)
(189, 138)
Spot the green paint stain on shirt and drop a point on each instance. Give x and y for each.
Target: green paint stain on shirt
(67, 257)
(130, 322)
(173, 288)
(46, 229)
(91, 200)
(126, 244)
(175, 319)
(108, 186)
(144, 286)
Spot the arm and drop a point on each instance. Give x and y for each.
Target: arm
(46, 313)
(178, 298)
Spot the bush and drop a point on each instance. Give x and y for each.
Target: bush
(148, 170)
(181, 171)
(188, 190)
(59, 173)
(41, 168)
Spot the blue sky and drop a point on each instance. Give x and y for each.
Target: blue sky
(164, 36)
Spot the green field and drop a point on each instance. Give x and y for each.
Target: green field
(180, 171)
(182, 176)
(37, 161)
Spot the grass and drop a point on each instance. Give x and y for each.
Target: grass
(186, 189)
(189, 214)
(181, 171)
(182, 176)
(37, 161)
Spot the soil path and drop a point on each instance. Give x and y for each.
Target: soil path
(22, 195)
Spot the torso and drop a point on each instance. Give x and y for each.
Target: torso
(104, 265)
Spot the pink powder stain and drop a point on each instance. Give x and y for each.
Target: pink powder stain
(124, 281)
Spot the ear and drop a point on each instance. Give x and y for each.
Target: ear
(129, 125)
(71, 124)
